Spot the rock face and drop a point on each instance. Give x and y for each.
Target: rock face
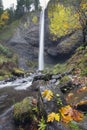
(67, 46)
(25, 42)
(54, 126)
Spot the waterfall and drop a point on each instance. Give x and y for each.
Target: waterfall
(41, 42)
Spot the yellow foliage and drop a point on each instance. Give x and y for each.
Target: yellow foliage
(2, 23)
(53, 116)
(68, 114)
(5, 16)
(35, 19)
(84, 5)
(83, 9)
(47, 94)
(63, 20)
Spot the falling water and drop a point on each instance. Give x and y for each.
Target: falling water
(41, 48)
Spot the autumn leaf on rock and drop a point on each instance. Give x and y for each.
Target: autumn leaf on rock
(53, 116)
(82, 102)
(68, 114)
(83, 89)
(50, 117)
(47, 94)
(57, 117)
(77, 116)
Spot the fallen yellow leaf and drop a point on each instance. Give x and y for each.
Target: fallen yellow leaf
(53, 116)
(50, 117)
(47, 94)
(57, 117)
(68, 114)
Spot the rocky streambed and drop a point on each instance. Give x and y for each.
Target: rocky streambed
(64, 90)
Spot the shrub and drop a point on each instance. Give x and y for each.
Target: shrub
(5, 51)
(35, 19)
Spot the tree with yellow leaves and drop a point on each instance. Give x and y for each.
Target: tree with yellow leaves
(67, 16)
(63, 20)
(4, 18)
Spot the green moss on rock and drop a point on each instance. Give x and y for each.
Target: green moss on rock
(59, 68)
(32, 64)
(18, 72)
(64, 79)
(79, 61)
(23, 111)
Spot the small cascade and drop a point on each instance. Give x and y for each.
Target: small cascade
(41, 48)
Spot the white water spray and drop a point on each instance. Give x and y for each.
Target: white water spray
(41, 42)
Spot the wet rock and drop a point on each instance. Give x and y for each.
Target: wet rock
(67, 46)
(18, 72)
(23, 110)
(44, 77)
(59, 76)
(6, 120)
(55, 125)
(52, 81)
(10, 79)
(36, 85)
(65, 83)
(82, 106)
(52, 51)
(52, 105)
(7, 123)
(49, 106)
(83, 124)
(67, 86)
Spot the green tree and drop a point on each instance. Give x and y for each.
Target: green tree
(1, 7)
(36, 3)
(24, 5)
(19, 10)
(11, 12)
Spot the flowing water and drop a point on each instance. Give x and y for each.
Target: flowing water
(10, 93)
(43, 4)
(41, 48)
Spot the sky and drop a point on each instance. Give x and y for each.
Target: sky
(8, 3)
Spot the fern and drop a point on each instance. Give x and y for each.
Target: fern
(42, 124)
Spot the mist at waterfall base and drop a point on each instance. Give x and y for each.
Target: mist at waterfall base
(43, 4)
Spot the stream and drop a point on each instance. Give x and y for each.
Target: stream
(10, 93)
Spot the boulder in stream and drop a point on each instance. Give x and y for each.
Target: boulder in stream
(23, 111)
